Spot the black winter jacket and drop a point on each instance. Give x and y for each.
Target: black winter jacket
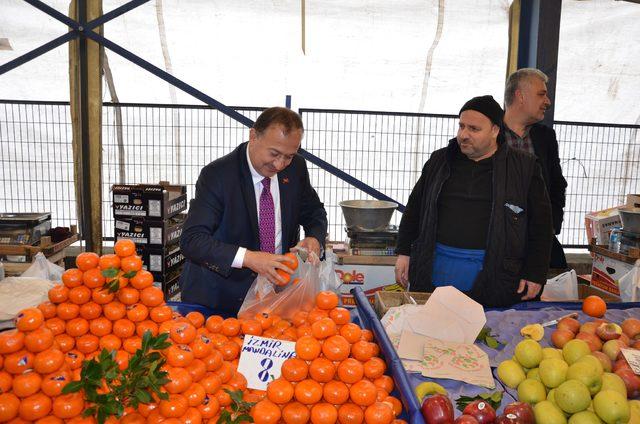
(518, 242)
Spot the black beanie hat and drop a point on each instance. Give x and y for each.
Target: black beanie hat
(487, 106)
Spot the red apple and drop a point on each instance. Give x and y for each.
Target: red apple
(606, 362)
(620, 364)
(636, 345)
(631, 380)
(625, 339)
(437, 409)
(609, 331)
(631, 327)
(592, 340)
(466, 419)
(559, 338)
(481, 410)
(612, 349)
(570, 324)
(506, 419)
(522, 411)
(590, 327)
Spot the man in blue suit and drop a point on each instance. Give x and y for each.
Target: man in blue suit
(247, 212)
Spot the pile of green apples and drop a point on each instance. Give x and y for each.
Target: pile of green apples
(568, 385)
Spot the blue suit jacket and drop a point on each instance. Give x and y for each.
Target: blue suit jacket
(223, 216)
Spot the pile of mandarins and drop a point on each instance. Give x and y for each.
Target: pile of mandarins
(337, 375)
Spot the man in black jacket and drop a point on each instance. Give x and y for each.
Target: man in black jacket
(479, 217)
(526, 100)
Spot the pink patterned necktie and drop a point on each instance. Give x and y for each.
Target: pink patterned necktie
(267, 219)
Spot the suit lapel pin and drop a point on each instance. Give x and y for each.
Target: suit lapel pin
(285, 180)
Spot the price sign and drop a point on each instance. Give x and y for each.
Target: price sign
(261, 360)
(633, 358)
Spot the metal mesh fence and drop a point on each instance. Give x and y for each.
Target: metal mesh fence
(145, 143)
(36, 160)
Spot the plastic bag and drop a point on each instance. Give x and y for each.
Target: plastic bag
(18, 293)
(286, 301)
(630, 284)
(43, 269)
(561, 287)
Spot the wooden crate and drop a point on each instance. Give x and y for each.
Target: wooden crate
(388, 299)
(53, 251)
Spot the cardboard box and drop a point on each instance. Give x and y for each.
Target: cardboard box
(171, 289)
(599, 224)
(162, 262)
(370, 278)
(607, 271)
(160, 201)
(633, 200)
(389, 299)
(150, 232)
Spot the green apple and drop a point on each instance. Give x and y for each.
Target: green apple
(511, 373)
(574, 350)
(553, 372)
(611, 407)
(585, 417)
(551, 352)
(534, 374)
(528, 353)
(593, 360)
(531, 391)
(588, 373)
(546, 412)
(611, 381)
(572, 396)
(634, 408)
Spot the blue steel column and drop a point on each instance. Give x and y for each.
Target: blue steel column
(538, 41)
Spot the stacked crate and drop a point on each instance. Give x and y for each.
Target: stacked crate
(150, 215)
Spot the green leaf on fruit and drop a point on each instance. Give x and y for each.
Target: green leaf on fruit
(494, 399)
(489, 339)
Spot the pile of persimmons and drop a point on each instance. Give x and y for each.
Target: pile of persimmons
(109, 302)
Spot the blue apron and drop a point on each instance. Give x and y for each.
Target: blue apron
(456, 267)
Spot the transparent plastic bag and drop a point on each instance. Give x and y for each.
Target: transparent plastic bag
(43, 269)
(285, 301)
(563, 287)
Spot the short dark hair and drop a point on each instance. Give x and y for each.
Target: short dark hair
(519, 77)
(278, 116)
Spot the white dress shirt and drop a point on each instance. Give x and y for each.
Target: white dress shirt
(275, 193)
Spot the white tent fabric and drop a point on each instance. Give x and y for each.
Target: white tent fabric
(370, 55)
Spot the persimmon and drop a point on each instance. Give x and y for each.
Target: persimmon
(124, 248)
(322, 370)
(336, 348)
(265, 412)
(327, 300)
(308, 348)
(324, 413)
(363, 393)
(48, 310)
(335, 392)
(87, 260)
(131, 263)
(350, 413)
(93, 278)
(308, 392)
(11, 341)
(594, 306)
(350, 371)
(109, 261)
(295, 413)
(280, 391)
(29, 319)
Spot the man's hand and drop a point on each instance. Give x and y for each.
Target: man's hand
(310, 244)
(402, 270)
(532, 289)
(267, 264)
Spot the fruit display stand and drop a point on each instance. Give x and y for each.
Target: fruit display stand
(505, 324)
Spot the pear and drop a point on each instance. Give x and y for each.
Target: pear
(531, 391)
(611, 381)
(553, 372)
(611, 407)
(588, 373)
(585, 417)
(574, 350)
(572, 396)
(528, 353)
